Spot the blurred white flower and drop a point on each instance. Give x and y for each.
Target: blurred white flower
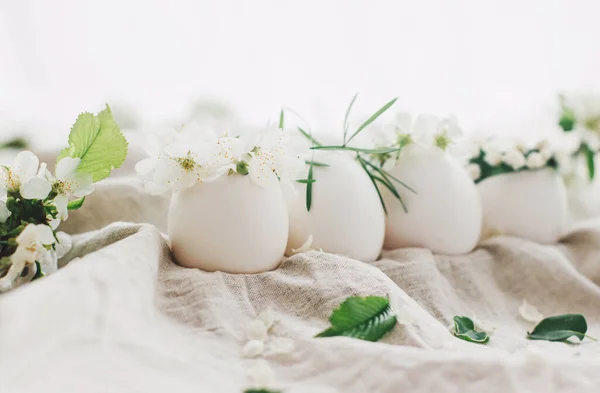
(430, 130)
(253, 348)
(30, 248)
(256, 330)
(474, 171)
(492, 156)
(23, 177)
(64, 244)
(268, 317)
(282, 346)
(261, 374)
(535, 160)
(515, 158)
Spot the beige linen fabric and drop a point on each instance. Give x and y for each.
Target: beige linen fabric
(122, 317)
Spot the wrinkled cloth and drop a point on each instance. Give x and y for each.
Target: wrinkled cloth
(121, 316)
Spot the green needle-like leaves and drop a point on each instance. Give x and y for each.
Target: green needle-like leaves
(362, 163)
(464, 328)
(560, 328)
(346, 125)
(366, 318)
(309, 137)
(281, 119)
(310, 180)
(589, 159)
(371, 119)
(315, 163)
(357, 149)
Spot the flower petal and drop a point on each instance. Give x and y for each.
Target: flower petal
(304, 247)
(253, 348)
(261, 374)
(4, 212)
(530, 313)
(26, 165)
(83, 184)
(44, 234)
(64, 245)
(67, 167)
(256, 330)
(35, 188)
(282, 346)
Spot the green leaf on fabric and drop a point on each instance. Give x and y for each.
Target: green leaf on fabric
(366, 318)
(464, 328)
(98, 141)
(75, 204)
(560, 328)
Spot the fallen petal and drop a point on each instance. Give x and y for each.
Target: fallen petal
(530, 313)
(253, 348)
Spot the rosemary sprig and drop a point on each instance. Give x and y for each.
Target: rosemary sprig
(362, 163)
(357, 149)
(386, 174)
(315, 163)
(309, 137)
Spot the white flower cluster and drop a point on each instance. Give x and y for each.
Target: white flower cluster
(26, 181)
(431, 133)
(257, 333)
(586, 113)
(179, 159)
(516, 156)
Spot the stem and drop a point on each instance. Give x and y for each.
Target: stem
(590, 337)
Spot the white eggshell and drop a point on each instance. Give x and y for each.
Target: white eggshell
(230, 224)
(445, 213)
(345, 217)
(528, 204)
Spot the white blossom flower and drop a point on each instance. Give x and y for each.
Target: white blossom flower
(64, 244)
(253, 348)
(30, 248)
(281, 346)
(529, 312)
(430, 131)
(492, 156)
(22, 177)
(514, 158)
(256, 330)
(268, 317)
(535, 160)
(474, 171)
(68, 182)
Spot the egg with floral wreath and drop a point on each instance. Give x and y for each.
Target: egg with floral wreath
(227, 212)
(521, 191)
(436, 206)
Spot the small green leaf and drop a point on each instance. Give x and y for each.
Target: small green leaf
(261, 391)
(281, 119)
(98, 141)
(305, 181)
(309, 137)
(567, 117)
(366, 318)
(38, 271)
(75, 204)
(372, 119)
(464, 328)
(346, 125)
(358, 149)
(315, 163)
(589, 159)
(560, 328)
(309, 188)
(16, 143)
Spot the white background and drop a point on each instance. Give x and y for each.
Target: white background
(498, 65)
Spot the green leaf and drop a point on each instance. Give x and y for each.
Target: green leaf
(309, 188)
(346, 125)
(560, 328)
(281, 119)
(305, 181)
(241, 167)
(309, 137)
(372, 118)
(567, 117)
(366, 318)
(75, 204)
(464, 328)
(589, 159)
(38, 271)
(16, 143)
(261, 391)
(362, 163)
(98, 141)
(315, 163)
(358, 149)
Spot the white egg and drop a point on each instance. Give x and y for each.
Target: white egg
(345, 217)
(528, 204)
(444, 215)
(230, 225)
